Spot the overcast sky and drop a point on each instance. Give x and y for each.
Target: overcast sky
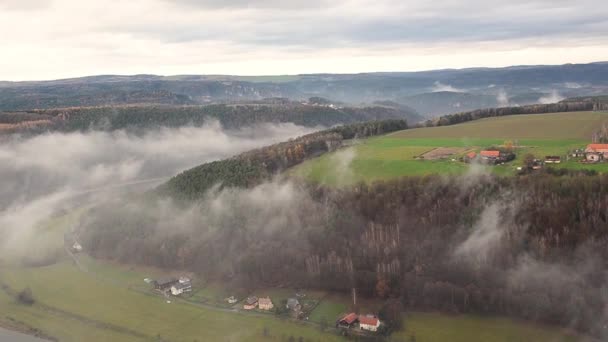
(47, 39)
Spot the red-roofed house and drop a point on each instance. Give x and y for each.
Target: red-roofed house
(348, 320)
(369, 323)
(489, 154)
(596, 152)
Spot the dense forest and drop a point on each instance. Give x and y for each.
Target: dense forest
(255, 166)
(230, 116)
(532, 247)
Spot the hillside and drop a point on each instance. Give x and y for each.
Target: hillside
(398, 154)
(230, 116)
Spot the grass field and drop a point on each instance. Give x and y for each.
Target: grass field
(73, 306)
(433, 327)
(395, 154)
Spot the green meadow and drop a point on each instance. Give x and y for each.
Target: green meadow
(398, 154)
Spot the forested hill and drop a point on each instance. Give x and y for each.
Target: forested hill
(251, 168)
(230, 116)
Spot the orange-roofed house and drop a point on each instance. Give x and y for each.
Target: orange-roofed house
(369, 323)
(596, 152)
(489, 154)
(348, 320)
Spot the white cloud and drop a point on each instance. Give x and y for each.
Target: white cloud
(52, 39)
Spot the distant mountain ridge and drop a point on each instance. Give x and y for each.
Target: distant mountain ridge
(431, 93)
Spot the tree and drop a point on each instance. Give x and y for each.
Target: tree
(392, 314)
(529, 161)
(382, 288)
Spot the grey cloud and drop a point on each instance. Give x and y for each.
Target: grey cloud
(270, 26)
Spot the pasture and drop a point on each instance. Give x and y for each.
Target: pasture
(402, 153)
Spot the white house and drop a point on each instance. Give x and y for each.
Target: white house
(180, 288)
(369, 323)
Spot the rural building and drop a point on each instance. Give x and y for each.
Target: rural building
(348, 321)
(250, 303)
(553, 160)
(293, 304)
(469, 157)
(179, 288)
(369, 323)
(579, 152)
(164, 284)
(596, 152)
(594, 157)
(231, 300)
(265, 303)
(489, 154)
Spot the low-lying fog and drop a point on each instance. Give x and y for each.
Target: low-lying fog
(41, 173)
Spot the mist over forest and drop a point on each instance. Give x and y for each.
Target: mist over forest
(52, 172)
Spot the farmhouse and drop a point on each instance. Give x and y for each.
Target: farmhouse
(469, 157)
(596, 152)
(489, 154)
(250, 303)
(179, 288)
(348, 321)
(231, 300)
(164, 284)
(265, 303)
(553, 160)
(369, 323)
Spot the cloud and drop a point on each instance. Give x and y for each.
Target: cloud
(277, 37)
(485, 236)
(42, 174)
(553, 97)
(438, 87)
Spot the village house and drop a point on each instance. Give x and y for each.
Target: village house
(251, 303)
(231, 300)
(469, 157)
(179, 288)
(348, 321)
(265, 303)
(164, 284)
(596, 152)
(369, 323)
(489, 155)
